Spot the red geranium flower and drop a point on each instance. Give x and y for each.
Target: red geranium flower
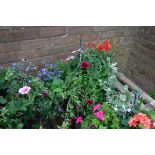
(100, 47)
(107, 45)
(89, 101)
(85, 65)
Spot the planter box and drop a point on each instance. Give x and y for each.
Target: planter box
(149, 102)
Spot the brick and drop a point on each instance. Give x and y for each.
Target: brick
(109, 34)
(122, 52)
(65, 40)
(122, 62)
(127, 40)
(137, 28)
(147, 44)
(124, 45)
(31, 33)
(33, 44)
(10, 36)
(74, 30)
(109, 28)
(145, 29)
(51, 50)
(147, 36)
(144, 58)
(118, 33)
(152, 29)
(89, 37)
(18, 34)
(143, 82)
(52, 31)
(136, 65)
(10, 47)
(145, 50)
(51, 58)
(8, 58)
(29, 54)
(1, 48)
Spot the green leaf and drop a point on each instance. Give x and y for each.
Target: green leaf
(71, 106)
(101, 127)
(58, 90)
(12, 107)
(122, 97)
(20, 125)
(2, 100)
(57, 83)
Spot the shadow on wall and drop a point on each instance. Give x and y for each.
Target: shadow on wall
(141, 63)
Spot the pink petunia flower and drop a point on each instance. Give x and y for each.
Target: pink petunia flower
(24, 90)
(79, 119)
(97, 106)
(99, 115)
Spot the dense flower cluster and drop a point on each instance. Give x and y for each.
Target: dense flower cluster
(98, 114)
(104, 46)
(140, 119)
(49, 71)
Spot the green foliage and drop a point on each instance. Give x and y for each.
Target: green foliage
(151, 114)
(61, 90)
(152, 94)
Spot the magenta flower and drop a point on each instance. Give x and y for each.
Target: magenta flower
(45, 94)
(97, 106)
(99, 115)
(79, 119)
(24, 90)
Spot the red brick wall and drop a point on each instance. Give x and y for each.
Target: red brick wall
(56, 42)
(141, 62)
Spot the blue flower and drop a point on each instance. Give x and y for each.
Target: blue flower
(27, 69)
(51, 73)
(51, 65)
(46, 78)
(40, 75)
(44, 70)
(48, 75)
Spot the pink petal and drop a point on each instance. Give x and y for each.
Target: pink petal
(99, 115)
(79, 119)
(97, 106)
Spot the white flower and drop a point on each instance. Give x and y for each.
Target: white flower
(115, 108)
(123, 106)
(128, 110)
(113, 65)
(24, 90)
(108, 89)
(70, 58)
